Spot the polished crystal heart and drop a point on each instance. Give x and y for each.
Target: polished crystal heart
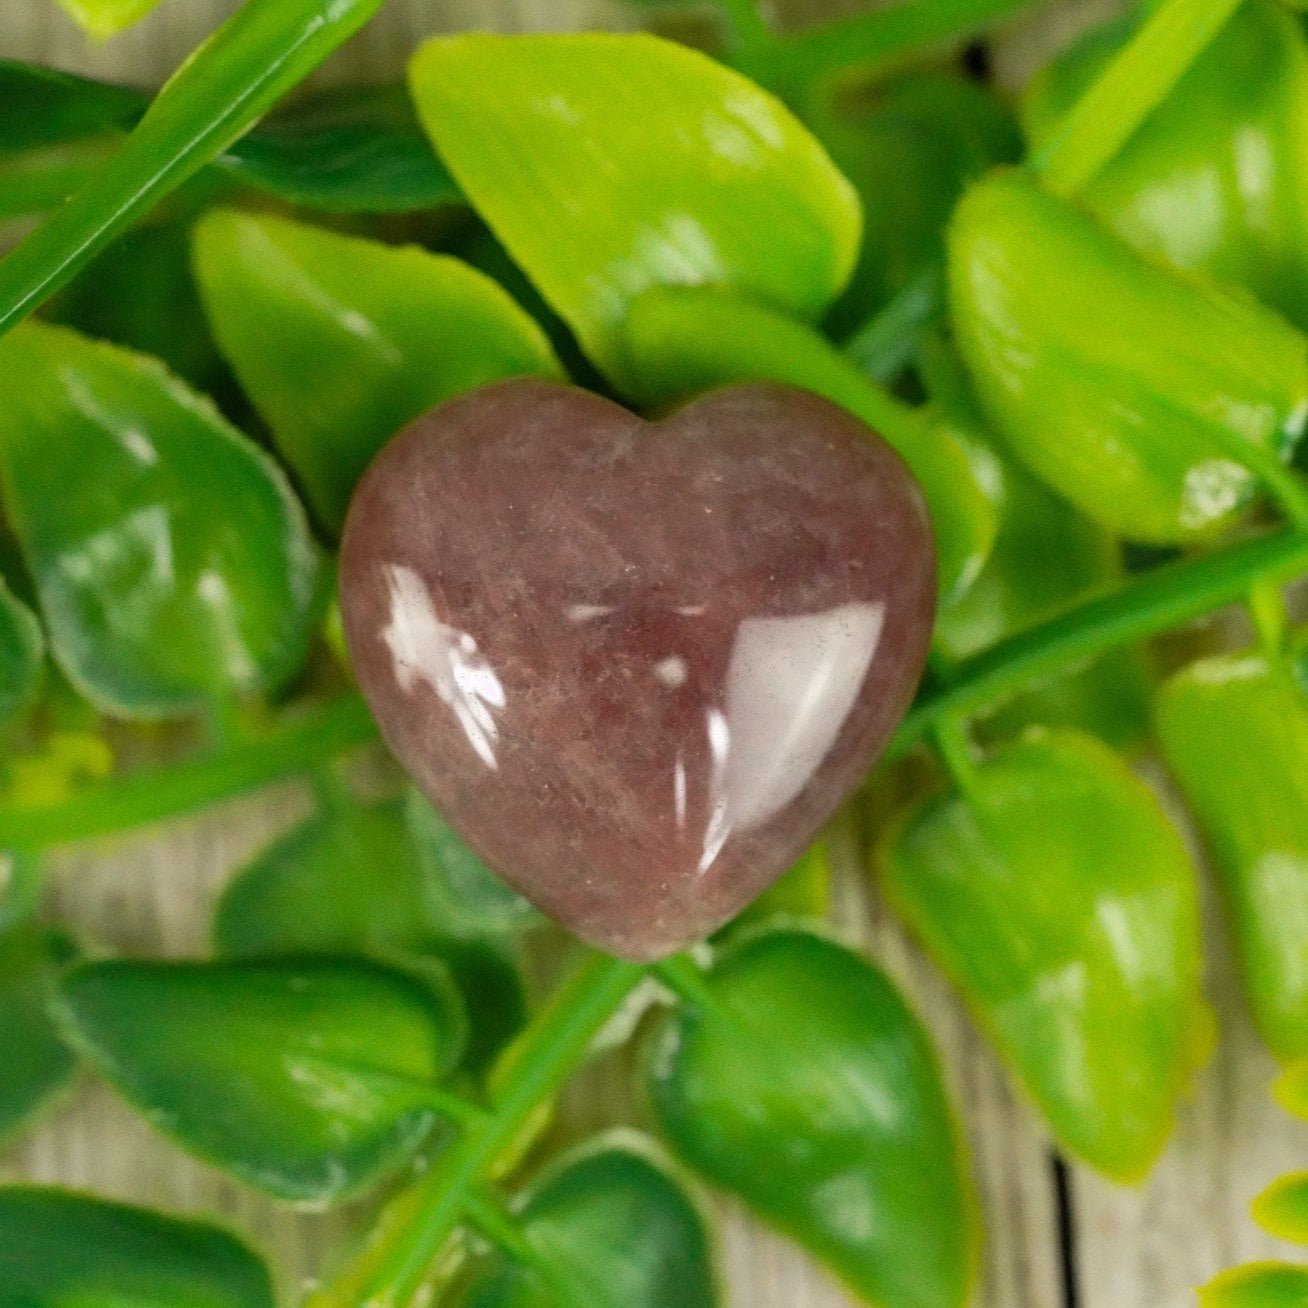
(637, 664)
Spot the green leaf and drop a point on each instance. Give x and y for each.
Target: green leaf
(173, 564)
(1244, 99)
(22, 655)
(1234, 732)
(62, 1250)
(809, 1089)
(1061, 902)
(347, 150)
(37, 1065)
(342, 880)
(464, 897)
(1259, 1285)
(1142, 397)
(340, 342)
(651, 165)
(303, 1078)
(55, 130)
(141, 294)
(608, 1227)
(909, 150)
(1282, 1209)
(678, 342)
(43, 106)
(104, 18)
(1046, 558)
(218, 94)
(352, 880)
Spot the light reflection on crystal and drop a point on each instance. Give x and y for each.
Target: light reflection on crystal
(426, 649)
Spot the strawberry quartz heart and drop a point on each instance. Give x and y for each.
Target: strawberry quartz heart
(637, 664)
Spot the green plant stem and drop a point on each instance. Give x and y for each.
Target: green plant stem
(500, 1229)
(747, 32)
(954, 746)
(887, 341)
(249, 63)
(543, 1060)
(681, 974)
(869, 40)
(299, 745)
(1164, 598)
(1137, 80)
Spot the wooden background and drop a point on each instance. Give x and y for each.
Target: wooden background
(1053, 1240)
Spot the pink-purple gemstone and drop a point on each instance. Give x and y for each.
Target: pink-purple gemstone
(637, 664)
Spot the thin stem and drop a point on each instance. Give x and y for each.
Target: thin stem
(681, 975)
(1129, 89)
(866, 41)
(498, 1226)
(885, 344)
(544, 1059)
(1164, 598)
(1281, 482)
(956, 751)
(131, 801)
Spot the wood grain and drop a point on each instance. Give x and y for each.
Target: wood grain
(153, 894)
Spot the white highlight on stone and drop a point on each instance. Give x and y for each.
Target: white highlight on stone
(672, 672)
(791, 683)
(588, 612)
(423, 648)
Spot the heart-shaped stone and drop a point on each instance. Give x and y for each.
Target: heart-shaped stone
(637, 664)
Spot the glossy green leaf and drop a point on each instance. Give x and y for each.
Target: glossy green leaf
(1046, 558)
(63, 1250)
(343, 879)
(224, 88)
(1259, 1285)
(341, 341)
(1141, 396)
(353, 880)
(141, 294)
(651, 165)
(303, 1078)
(36, 1064)
(680, 341)
(1282, 1209)
(103, 18)
(1216, 179)
(44, 106)
(1234, 732)
(55, 130)
(810, 1090)
(464, 897)
(608, 1228)
(22, 652)
(910, 150)
(1061, 902)
(173, 563)
(350, 149)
